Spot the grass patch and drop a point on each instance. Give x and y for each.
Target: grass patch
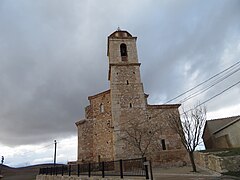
(232, 152)
(223, 152)
(231, 173)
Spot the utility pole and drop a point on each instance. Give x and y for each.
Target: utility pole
(2, 160)
(55, 152)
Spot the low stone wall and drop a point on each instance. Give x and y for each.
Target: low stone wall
(59, 177)
(216, 163)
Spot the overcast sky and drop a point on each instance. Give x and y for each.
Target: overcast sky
(53, 56)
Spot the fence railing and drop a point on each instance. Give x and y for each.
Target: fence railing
(121, 168)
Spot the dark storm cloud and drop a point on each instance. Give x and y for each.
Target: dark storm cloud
(46, 60)
(53, 55)
(194, 35)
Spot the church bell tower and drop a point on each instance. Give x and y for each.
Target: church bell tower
(127, 94)
(118, 122)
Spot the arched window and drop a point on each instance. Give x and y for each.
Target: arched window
(123, 50)
(101, 108)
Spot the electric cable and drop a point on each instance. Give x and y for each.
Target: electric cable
(213, 97)
(207, 88)
(235, 64)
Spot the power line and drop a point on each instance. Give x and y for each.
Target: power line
(208, 87)
(213, 96)
(235, 64)
(32, 151)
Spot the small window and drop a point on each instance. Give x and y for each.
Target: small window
(108, 124)
(101, 108)
(130, 105)
(127, 82)
(163, 144)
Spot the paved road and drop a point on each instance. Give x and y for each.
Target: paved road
(185, 173)
(188, 177)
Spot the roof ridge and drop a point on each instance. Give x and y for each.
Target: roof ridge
(99, 94)
(228, 124)
(238, 116)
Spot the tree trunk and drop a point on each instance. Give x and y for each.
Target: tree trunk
(191, 156)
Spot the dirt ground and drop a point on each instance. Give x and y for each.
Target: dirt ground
(185, 173)
(24, 173)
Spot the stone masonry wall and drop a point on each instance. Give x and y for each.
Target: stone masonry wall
(176, 157)
(175, 153)
(102, 127)
(159, 115)
(114, 53)
(128, 104)
(95, 134)
(216, 163)
(85, 139)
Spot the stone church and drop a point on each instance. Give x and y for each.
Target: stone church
(119, 123)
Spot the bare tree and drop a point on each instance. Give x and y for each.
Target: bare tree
(190, 129)
(140, 135)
